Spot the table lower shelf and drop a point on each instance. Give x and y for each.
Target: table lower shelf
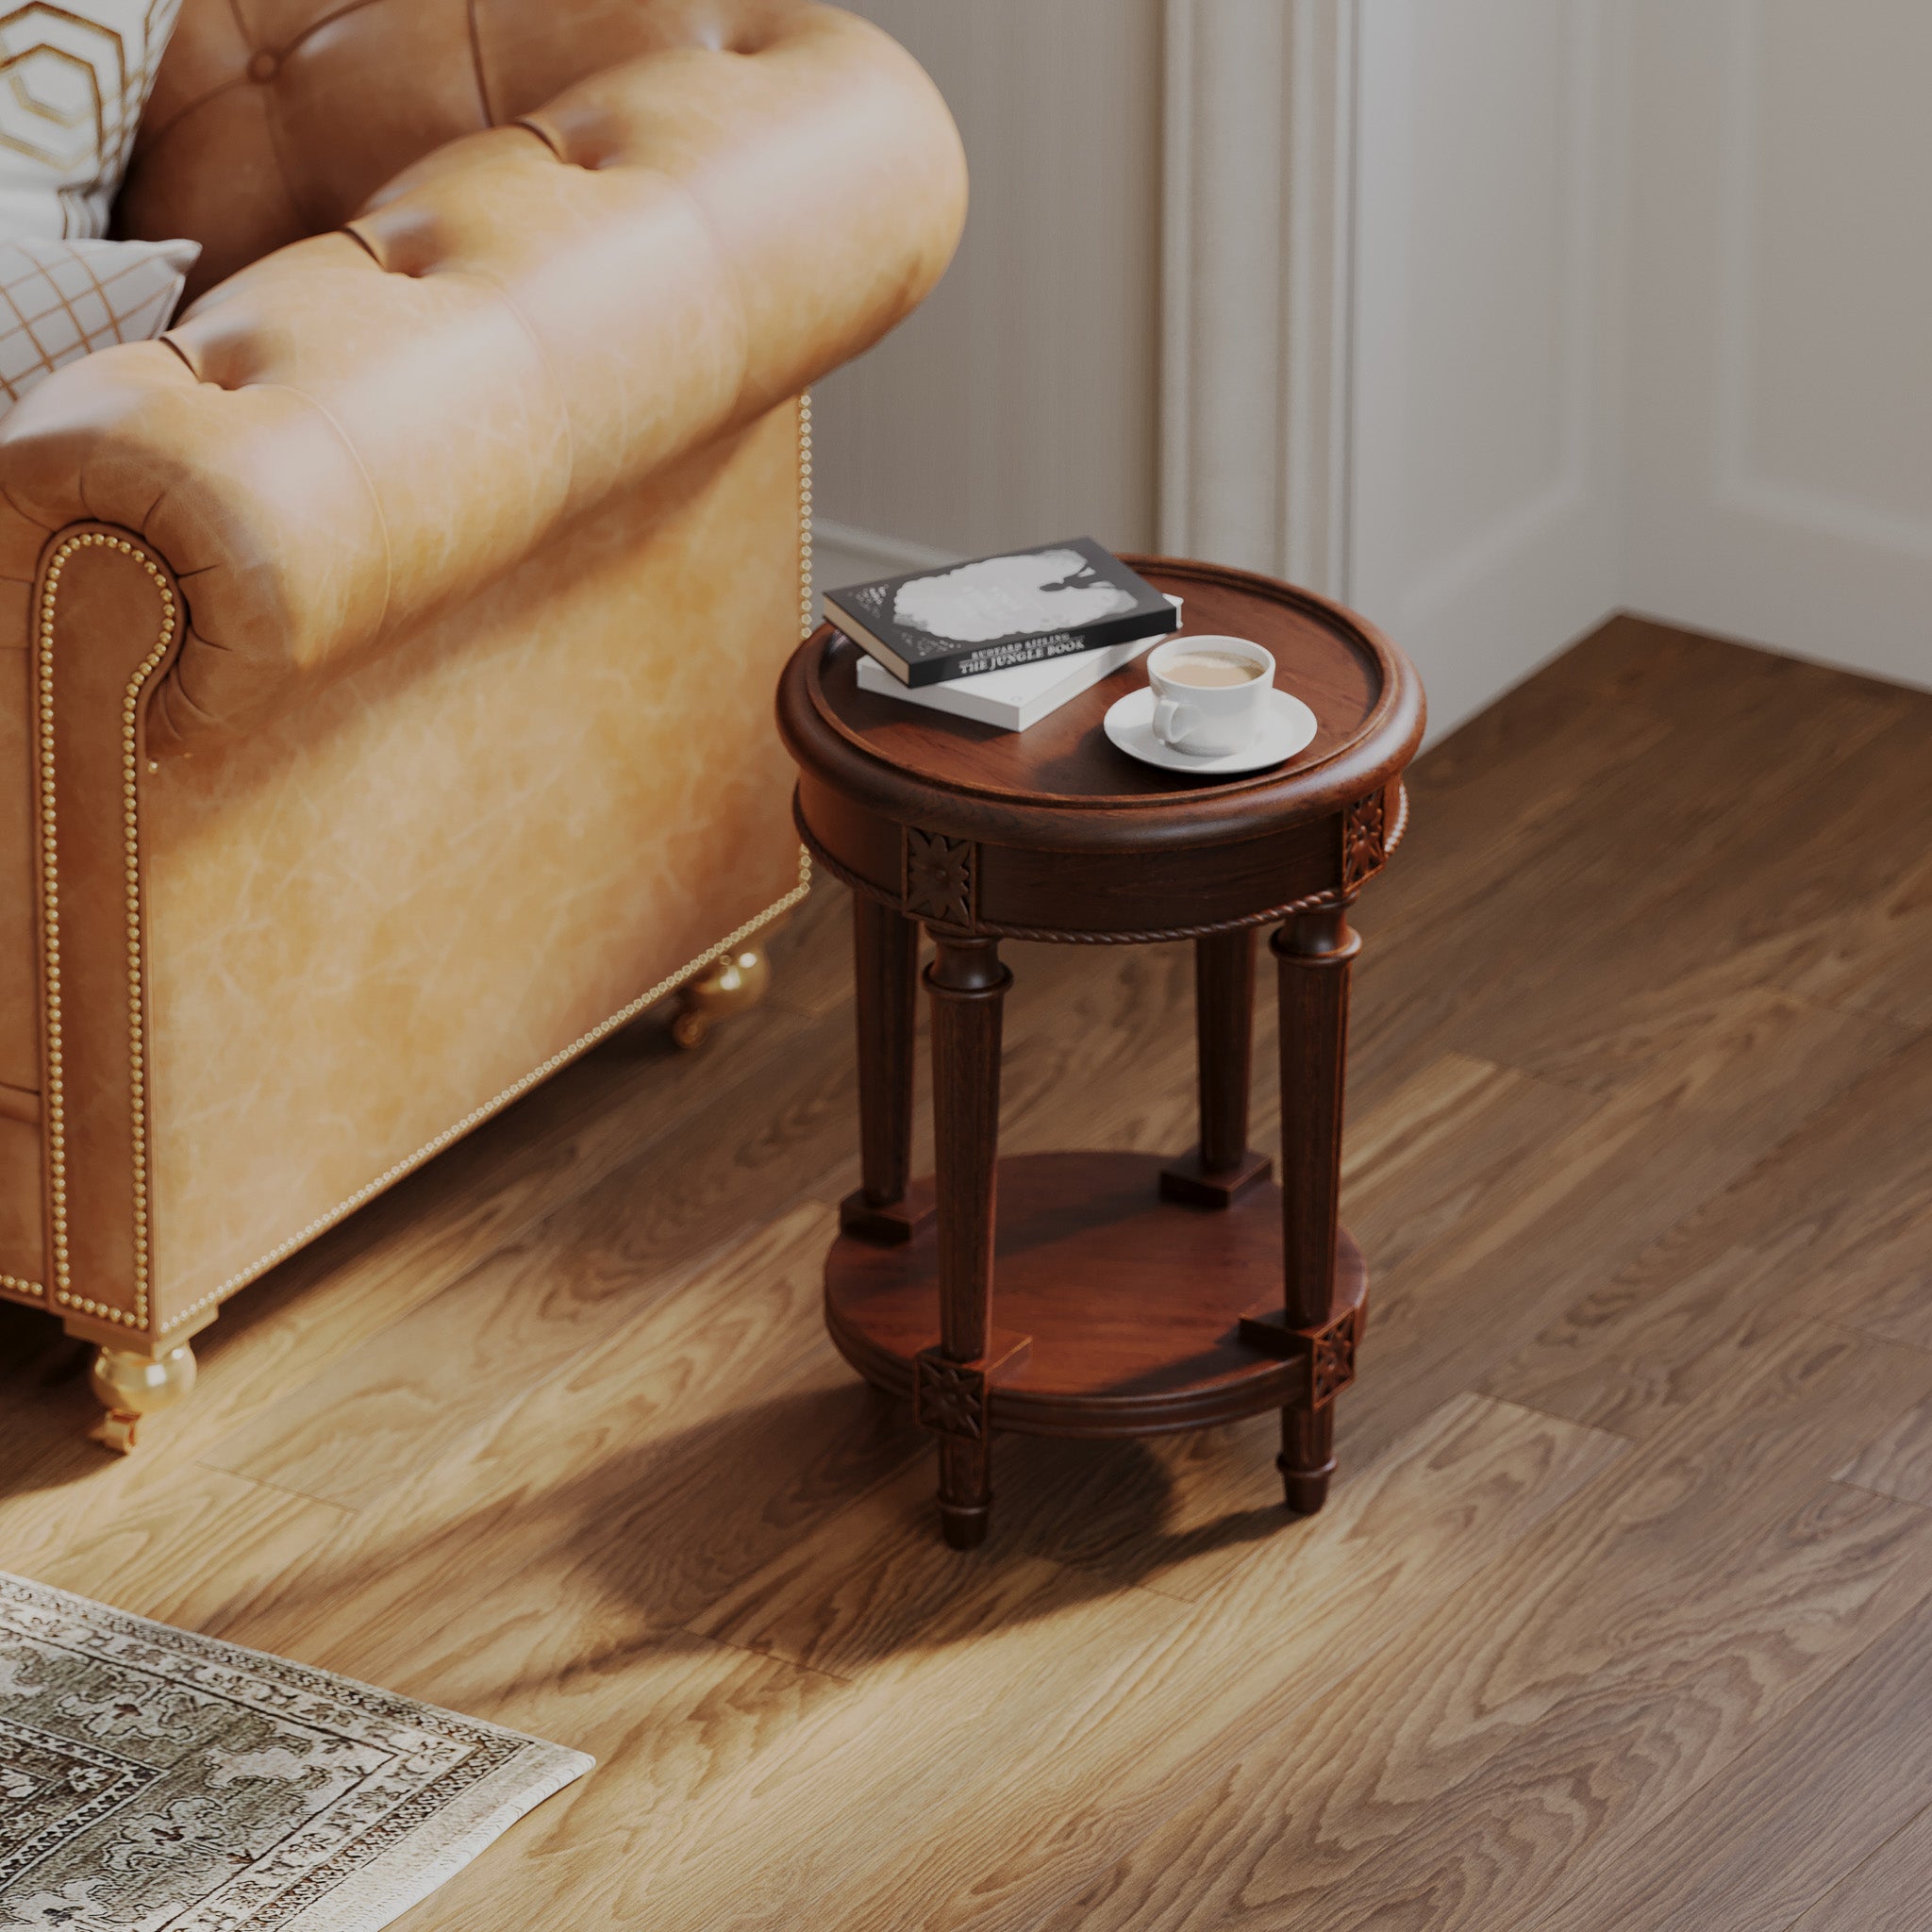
(1133, 1303)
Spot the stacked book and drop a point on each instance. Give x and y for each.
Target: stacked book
(1002, 639)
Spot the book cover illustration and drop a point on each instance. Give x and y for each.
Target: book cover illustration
(998, 611)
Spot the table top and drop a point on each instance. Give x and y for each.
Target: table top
(1058, 783)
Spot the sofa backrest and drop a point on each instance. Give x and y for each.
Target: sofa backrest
(275, 119)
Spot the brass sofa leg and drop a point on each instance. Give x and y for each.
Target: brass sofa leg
(732, 985)
(131, 1386)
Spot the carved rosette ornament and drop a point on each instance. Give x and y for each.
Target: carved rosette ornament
(938, 877)
(1364, 839)
(950, 1398)
(1325, 1355)
(1331, 1359)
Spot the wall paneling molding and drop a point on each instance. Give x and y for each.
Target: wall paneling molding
(1781, 408)
(1257, 285)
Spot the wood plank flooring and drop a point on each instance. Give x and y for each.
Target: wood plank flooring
(1619, 1620)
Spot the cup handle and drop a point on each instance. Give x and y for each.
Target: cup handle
(1168, 716)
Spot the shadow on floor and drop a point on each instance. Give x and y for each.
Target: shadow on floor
(802, 1526)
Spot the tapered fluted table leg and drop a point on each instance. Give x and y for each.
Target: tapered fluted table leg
(1308, 1457)
(1313, 954)
(1224, 1028)
(1222, 1165)
(967, 984)
(885, 959)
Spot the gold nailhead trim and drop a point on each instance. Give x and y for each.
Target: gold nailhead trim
(50, 917)
(14, 1284)
(806, 626)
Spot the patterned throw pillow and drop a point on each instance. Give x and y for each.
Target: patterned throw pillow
(61, 300)
(73, 78)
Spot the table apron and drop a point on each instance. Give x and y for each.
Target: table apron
(1105, 895)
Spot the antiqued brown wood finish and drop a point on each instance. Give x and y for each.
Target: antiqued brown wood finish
(1134, 1309)
(885, 961)
(955, 1375)
(1221, 1165)
(1131, 1296)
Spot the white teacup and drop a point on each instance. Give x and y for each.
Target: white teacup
(1209, 693)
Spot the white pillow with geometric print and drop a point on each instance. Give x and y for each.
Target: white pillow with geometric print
(62, 300)
(73, 78)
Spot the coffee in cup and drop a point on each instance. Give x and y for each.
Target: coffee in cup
(1209, 669)
(1210, 693)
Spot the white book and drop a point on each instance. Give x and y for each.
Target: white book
(1020, 696)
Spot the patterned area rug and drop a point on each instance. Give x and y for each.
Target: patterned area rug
(151, 1778)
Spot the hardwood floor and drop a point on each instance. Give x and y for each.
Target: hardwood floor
(1620, 1618)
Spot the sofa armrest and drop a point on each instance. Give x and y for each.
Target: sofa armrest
(366, 426)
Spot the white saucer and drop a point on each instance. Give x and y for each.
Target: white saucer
(1287, 727)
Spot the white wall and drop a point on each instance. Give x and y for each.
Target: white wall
(1021, 402)
(1467, 469)
(1631, 308)
(1780, 330)
(1643, 319)
(1485, 478)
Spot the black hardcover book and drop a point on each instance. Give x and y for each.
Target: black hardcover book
(998, 611)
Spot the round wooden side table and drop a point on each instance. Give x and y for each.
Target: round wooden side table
(1114, 1294)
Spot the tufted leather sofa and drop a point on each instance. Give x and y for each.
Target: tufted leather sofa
(386, 654)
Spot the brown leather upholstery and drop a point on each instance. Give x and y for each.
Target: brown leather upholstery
(20, 980)
(448, 558)
(310, 106)
(667, 250)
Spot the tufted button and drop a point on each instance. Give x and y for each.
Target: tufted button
(261, 66)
